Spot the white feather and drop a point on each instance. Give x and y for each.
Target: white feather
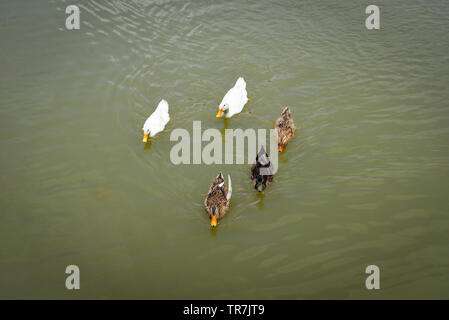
(235, 98)
(158, 119)
(228, 197)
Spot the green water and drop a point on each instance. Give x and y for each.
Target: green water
(365, 181)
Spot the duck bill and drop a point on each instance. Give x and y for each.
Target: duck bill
(280, 148)
(145, 137)
(220, 112)
(213, 221)
(259, 188)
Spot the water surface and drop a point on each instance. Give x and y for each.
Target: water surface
(365, 181)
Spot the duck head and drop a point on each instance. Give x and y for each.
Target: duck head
(259, 183)
(222, 108)
(214, 217)
(146, 134)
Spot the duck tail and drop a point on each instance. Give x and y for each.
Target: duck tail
(240, 83)
(286, 112)
(228, 197)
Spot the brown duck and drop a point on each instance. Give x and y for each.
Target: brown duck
(285, 128)
(262, 171)
(218, 199)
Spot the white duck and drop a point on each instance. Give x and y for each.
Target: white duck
(234, 100)
(157, 121)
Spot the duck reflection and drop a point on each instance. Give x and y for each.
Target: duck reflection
(147, 145)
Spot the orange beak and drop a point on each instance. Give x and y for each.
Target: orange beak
(220, 112)
(213, 221)
(280, 148)
(145, 137)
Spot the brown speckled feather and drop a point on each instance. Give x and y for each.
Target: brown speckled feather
(217, 196)
(285, 127)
